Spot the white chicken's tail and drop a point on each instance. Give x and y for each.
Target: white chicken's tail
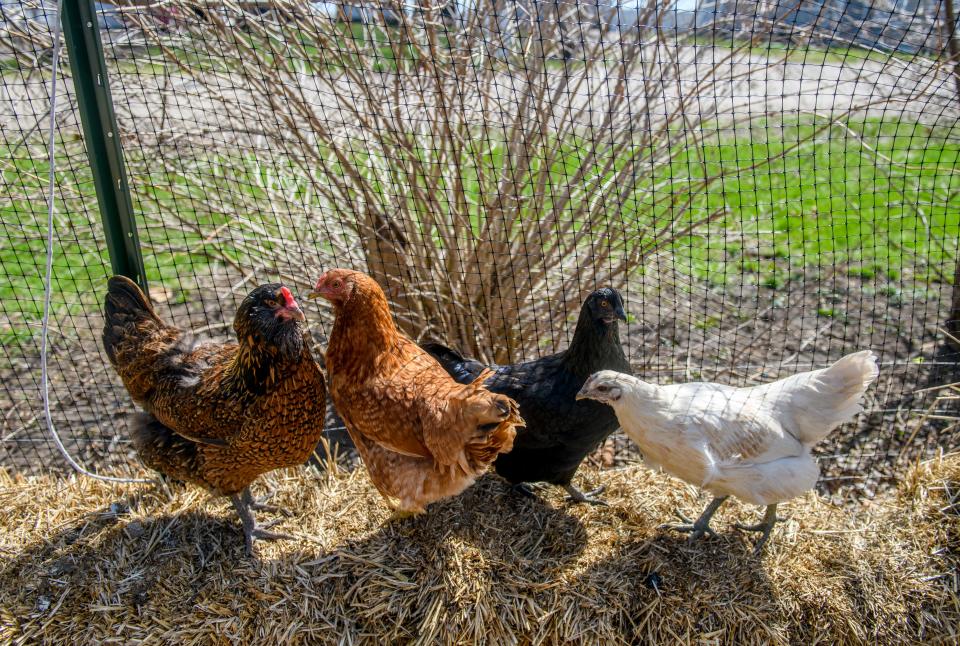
(819, 401)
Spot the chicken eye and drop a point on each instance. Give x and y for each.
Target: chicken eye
(269, 302)
(603, 389)
(605, 304)
(337, 284)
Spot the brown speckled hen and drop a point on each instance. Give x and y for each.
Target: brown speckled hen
(219, 414)
(421, 435)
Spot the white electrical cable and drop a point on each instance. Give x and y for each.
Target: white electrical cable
(48, 279)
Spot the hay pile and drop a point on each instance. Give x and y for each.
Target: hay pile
(89, 562)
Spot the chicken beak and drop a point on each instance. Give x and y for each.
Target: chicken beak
(291, 312)
(582, 394)
(621, 314)
(297, 314)
(320, 290)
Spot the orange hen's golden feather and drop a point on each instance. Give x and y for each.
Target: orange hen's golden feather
(422, 435)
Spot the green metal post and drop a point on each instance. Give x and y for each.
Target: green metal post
(953, 47)
(85, 49)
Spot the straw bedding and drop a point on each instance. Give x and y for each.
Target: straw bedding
(88, 562)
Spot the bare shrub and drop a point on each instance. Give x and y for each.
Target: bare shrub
(486, 163)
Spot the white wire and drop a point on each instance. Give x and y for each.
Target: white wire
(48, 279)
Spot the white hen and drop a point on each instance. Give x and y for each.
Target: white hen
(752, 443)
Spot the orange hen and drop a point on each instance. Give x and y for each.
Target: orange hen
(422, 435)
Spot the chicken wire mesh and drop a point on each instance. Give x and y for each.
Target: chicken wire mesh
(770, 184)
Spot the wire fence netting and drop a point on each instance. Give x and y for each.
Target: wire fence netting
(770, 184)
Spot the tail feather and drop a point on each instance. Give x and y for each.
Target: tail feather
(442, 353)
(457, 366)
(126, 313)
(824, 399)
(851, 375)
(162, 449)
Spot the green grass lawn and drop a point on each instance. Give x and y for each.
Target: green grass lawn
(810, 54)
(828, 202)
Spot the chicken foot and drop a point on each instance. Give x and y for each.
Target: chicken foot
(577, 496)
(260, 504)
(402, 514)
(244, 503)
(702, 524)
(766, 525)
(525, 489)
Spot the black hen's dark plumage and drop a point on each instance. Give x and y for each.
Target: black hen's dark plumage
(560, 431)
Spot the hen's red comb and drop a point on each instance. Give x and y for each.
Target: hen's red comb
(288, 298)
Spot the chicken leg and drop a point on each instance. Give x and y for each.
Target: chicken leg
(577, 496)
(702, 525)
(244, 503)
(769, 520)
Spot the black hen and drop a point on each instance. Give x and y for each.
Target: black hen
(560, 431)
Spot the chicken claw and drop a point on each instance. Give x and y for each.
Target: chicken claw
(261, 534)
(769, 520)
(260, 504)
(243, 503)
(525, 489)
(576, 496)
(702, 524)
(402, 514)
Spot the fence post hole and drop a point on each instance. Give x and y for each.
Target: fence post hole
(85, 50)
